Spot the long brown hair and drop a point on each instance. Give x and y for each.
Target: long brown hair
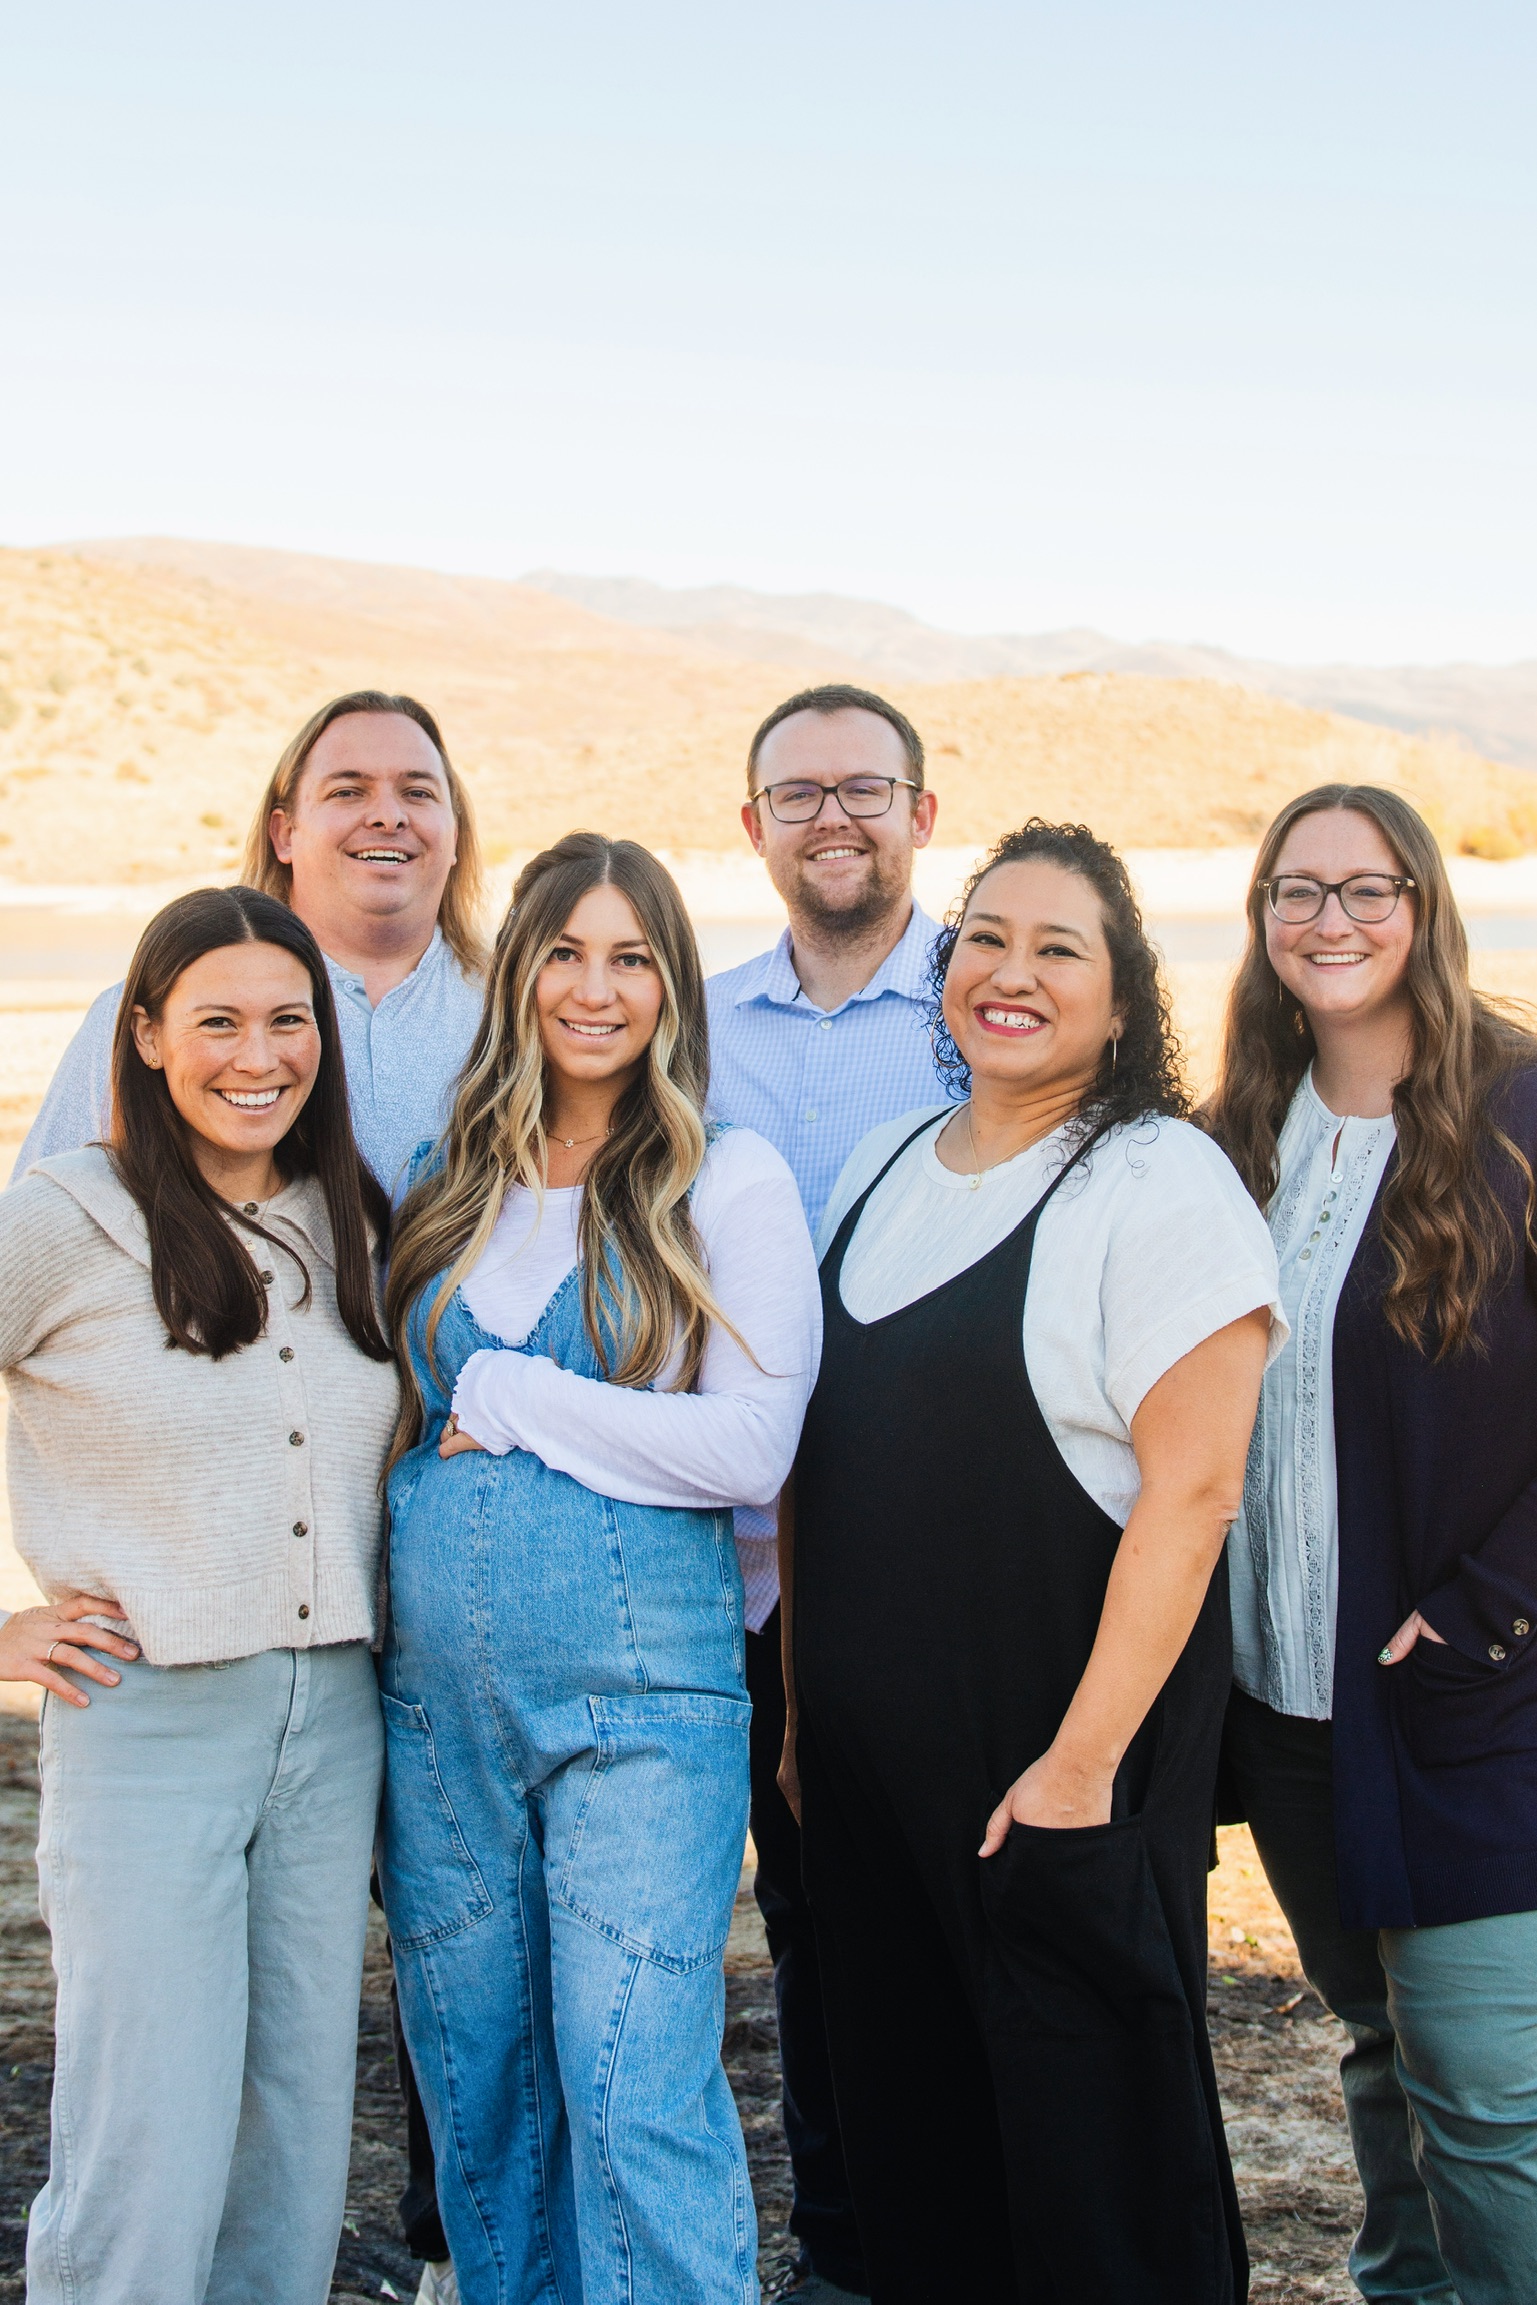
(206, 1287)
(459, 910)
(1447, 1231)
(635, 1230)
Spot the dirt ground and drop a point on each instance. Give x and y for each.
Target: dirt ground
(1276, 2051)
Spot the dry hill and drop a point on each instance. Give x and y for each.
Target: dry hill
(145, 690)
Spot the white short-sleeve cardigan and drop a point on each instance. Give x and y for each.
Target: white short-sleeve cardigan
(1147, 1249)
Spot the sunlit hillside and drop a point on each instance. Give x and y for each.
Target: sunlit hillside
(146, 690)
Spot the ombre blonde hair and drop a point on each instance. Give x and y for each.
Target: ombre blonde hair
(645, 1290)
(459, 909)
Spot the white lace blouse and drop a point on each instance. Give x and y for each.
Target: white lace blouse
(1283, 1552)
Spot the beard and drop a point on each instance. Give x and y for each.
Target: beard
(851, 915)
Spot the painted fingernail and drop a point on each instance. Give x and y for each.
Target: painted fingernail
(1384, 1656)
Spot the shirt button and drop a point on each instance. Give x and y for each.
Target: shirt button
(1497, 1652)
(304, 1608)
(811, 1112)
(285, 1352)
(301, 1528)
(827, 1024)
(1302, 1260)
(1521, 1628)
(250, 1208)
(265, 1278)
(296, 1440)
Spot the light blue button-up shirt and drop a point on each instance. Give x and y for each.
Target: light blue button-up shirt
(814, 1081)
(401, 1060)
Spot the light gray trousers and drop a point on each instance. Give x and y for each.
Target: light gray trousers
(204, 1858)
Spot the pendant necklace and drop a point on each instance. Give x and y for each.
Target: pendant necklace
(571, 1142)
(978, 1172)
(976, 1166)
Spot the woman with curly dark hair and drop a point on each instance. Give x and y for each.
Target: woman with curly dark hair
(1047, 1313)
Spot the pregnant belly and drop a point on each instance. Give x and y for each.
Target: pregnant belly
(553, 1588)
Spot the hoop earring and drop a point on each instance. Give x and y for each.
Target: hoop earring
(1301, 1024)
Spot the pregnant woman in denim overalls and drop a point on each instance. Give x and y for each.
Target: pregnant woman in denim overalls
(610, 1312)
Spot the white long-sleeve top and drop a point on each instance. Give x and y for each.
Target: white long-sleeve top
(729, 1443)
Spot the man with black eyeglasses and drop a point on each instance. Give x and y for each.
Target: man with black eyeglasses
(813, 1044)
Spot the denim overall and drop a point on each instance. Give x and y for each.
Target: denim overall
(564, 1818)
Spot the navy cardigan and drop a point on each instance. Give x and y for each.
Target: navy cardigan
(1435, 1759)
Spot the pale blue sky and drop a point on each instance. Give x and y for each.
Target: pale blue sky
(1190, 321)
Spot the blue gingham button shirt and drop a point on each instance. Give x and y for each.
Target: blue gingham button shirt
(814, 1082)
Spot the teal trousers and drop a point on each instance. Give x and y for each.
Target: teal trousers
(1440, 2078)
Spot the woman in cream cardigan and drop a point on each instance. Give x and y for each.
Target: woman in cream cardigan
(201, 1401)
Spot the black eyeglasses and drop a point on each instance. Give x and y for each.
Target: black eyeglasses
(1296, 897)
(798, 802)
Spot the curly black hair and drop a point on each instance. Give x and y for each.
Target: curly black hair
(1146, 1075)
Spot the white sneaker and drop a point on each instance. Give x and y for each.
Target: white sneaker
(440, 2283)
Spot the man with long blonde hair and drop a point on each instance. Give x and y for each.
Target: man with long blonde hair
(366, 830)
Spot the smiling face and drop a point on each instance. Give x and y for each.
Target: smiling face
(239, 1046)
(1341, 969)
(1029, 996)
(839, 872)
(599, 994)
(371, 833)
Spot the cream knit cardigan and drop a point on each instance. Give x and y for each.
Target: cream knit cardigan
(228, 1506)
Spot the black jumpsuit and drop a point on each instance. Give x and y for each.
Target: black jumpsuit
(1023, 2074)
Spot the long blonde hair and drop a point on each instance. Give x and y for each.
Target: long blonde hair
(1447, 1232)
(459, 910)
(645, 1289)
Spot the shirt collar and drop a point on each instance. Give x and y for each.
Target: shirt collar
(904, 970)
(343, 979)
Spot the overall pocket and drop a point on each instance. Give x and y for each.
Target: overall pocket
(1097, 2067)
(656, 1844)
(432, 1885)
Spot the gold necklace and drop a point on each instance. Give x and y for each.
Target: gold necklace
(978, 1171)
(571, 1142)
(976, 1165)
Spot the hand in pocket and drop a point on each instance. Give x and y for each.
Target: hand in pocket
(1054, 1793)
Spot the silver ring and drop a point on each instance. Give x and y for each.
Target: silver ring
(48, 1659)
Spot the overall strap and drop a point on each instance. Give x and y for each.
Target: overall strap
(1030, 1220)
(832, 1261)
(1023, 1234)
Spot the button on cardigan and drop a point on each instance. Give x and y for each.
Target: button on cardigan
(228, 1506)
(1435, 1759)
